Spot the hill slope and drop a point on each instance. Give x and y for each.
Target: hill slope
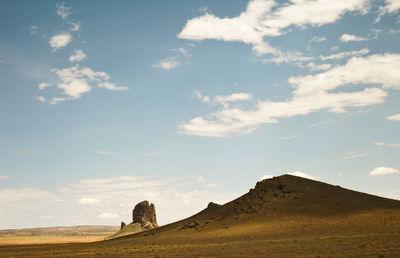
(285, 196)
(283, 216)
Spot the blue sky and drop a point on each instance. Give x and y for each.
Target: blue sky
(105, 103)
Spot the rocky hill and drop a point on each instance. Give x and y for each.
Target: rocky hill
(284, 216)
(284, 196)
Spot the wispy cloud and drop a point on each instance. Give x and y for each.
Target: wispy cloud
(83, 201)
(295, 173)
(182, 51)
(33, 29)
(63, 11)
(166, 64)
(317, 39)
(352, 155)
(235, 97)
(108, 215)
(305, 175)
(391, 6)
(111, 86)
(212, 185)
(43, 85)
(318, 67)
(78, 56)
(88, 201)
(311, 93)
(291, 137)
(384, 144)
(41, 99)
(394, 117)
(149, 154)
(349, 37)
(342, 55)
(104, 152)
(201, 97)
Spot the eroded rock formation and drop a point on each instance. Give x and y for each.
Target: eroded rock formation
(145, 214)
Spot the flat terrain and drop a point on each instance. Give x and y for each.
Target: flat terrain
(55, 235)
(282, 217)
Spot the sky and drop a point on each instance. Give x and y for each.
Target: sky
(104, 104)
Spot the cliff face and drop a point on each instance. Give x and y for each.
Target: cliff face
(145, 214)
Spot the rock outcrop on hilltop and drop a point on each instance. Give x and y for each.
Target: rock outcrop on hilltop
(143, 218)
(145, 214)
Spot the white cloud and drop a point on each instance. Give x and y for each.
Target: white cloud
(374, 69)
(108, 215)
(166, 64)
(266, 177)
(391, 6)
(18, 198)
(317, 39)
(382, 171)
(63, 11)
(4, 177)
(353, 155)
(342, 55)
(296, 173)
(75, 81)
(57, 100)
(304, 175)
(88, 201)
(78, 56)
(182, 50)
(75, 88)
(225, 100)
(201, 97)
(204, 9)
(173, 199)
(394, 117)
(41, 99)
(318, 67)
(349, 37)
(287, 57)
(311, 93)
(391, 145)
(60, 40)
(265, 18)
(149, 154)
(104, 152)
(111, 86)
(43, 85)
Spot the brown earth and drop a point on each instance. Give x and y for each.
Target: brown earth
(286, 216)
(55, 235)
